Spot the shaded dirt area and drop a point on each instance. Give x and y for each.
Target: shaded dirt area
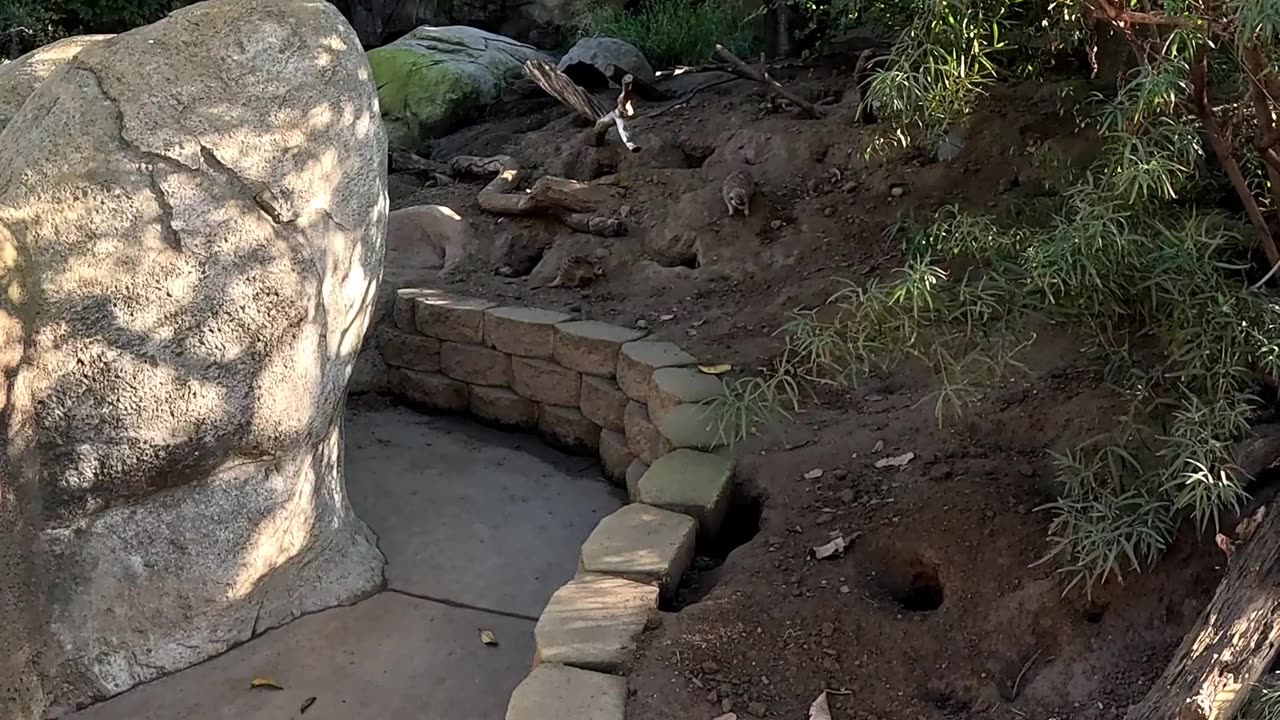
(935, 610)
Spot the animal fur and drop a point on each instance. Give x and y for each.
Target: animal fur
(737, 190)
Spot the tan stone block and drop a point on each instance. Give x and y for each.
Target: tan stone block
(475, 365)
(615, 456)
(455, 318)
(408, 349)
(501, 406)
(404, 311)
(637, 362)
(592, 347)
(691, 426)
(603, 402)
(567, 428)
(559, 692)
(545, 382)
(594, 621)
(678, 386)
(643, 437)
(642, 543)
(694, 483)
(527, 332)
(635, 471)
(431, 390)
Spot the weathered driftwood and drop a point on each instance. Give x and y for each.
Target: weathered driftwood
(738, 67)
(562, 88)
(1232, 644)
(570, 201)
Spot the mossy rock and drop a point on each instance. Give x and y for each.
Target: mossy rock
(434, 80)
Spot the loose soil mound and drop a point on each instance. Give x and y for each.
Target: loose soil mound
(934, 611)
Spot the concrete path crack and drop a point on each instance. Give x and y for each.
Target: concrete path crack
(464, 606)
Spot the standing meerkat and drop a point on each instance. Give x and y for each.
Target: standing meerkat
(737, 190)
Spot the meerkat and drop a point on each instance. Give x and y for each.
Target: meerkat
(577, 271)
(737, 190)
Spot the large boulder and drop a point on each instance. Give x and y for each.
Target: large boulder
(545, 23)
(21, 76)
(435, 79)
(191, 237)
(594, 62)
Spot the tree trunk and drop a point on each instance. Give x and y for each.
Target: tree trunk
(1232, 644)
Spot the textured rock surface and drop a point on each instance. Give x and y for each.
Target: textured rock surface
(592, 61)
(448, 317)
(594, 621)
(527, 332)
(690, 482)
(637, 362)
(435, 78)
(430, 390)
(643, 437)
(592, 347)
(192, 253)
(642, 543)
(566, 428)
(603, 402)
(554, 692)
(691, 426)
(408, 350)
(475, 365)
(615, 456)
(501, 406)
(21, 76)
(545, 382)
(678, 385)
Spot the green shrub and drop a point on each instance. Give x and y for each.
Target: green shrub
(28, 24)
(674, 32)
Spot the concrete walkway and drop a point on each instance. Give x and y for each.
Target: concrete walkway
(479, 528)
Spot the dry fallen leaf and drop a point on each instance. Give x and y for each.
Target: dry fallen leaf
(716, 369)
(260, 682)
(813, 474)
(820, 709)
(306, 705)
(896, 460)
(834, 548)
(488, 638)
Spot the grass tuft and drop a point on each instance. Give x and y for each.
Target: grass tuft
(674, 32)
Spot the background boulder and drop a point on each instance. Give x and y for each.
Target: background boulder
(435, 79)
(21, 76)
(191, 238)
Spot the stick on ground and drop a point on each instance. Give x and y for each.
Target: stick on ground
(738, 67)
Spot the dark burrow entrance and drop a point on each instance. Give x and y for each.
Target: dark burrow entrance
(741, 525)
(914, 582)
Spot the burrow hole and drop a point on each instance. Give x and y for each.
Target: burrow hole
(1093, 612)
(741, 525)
(914, 582)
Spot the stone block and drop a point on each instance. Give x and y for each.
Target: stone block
(501, 406)
(614, 455)
(637, 362)
(642, 543)
(475, 365)
(545, 382)
(635, 471)
(678, 386)
(527, 332)
(691, 426)
(603, 402)
(694, 483)
(592, 347)
(594, 621)
(643, 437)
(567, 428)
(455, 318)
(404, 312)
(408, 349)
(431, 390)
(558, 692)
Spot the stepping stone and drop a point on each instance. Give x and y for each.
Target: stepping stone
(637, 361)
(643, 543)
(527, 332)
(691, 426)
(594, 621)
(604, 402)
(455, 318)
(681, 385)
(408, 350)
(556, 692)
(475, 365)
(690, 482)
(545, 382)
(592, 347)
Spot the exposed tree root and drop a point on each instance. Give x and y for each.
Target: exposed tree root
(571, 202)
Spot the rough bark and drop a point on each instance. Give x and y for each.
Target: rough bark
(1231, 645)
(573, 203)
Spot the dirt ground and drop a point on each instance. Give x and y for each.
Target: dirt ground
(935, 610)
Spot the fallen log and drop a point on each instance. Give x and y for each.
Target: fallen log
(1232, 643)
(740, 68)
(562, 88)
(572, 202)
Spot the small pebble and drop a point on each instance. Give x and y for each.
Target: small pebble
(844, 589)
(713, 696)
(642, 324)
(726, 705)
(840, 473)
(710, 668)
(897, 191)
(828, 629)
(775, 224)
(758, 709)
(846, 496)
